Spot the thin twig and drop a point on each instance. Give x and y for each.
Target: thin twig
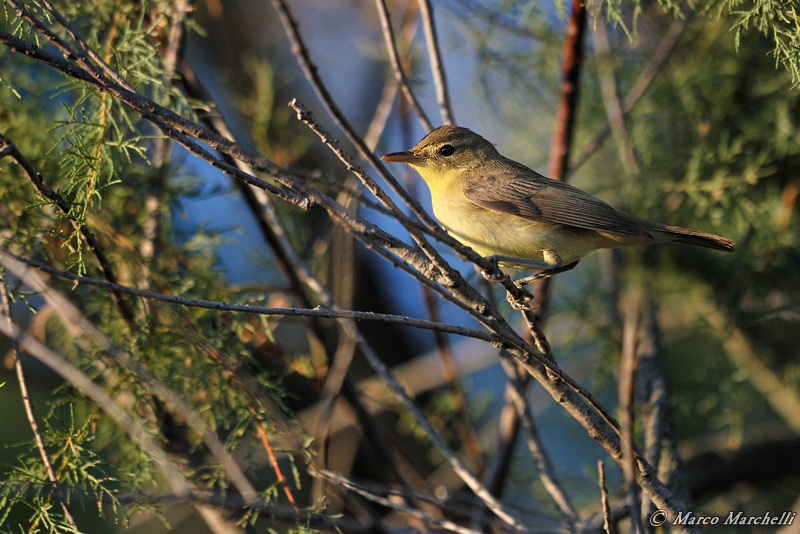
(311, 72)
(397, 67)
(70, 314)
(547, 472)
(65, 207)
(535, 326)
(5, 306)
(8, 260)
(451, 380)
(608, 525)
(307, 118)
(639, 88)
(611, 101)
(509, 421)
(455, 463)
(434, 54)
(83, 383)
(390, 503)
(627, 373)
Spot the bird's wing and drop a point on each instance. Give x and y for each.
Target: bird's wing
(547, 200)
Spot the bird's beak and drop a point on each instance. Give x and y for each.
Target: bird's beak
(404, 157)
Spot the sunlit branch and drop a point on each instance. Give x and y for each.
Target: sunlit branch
(397, 67)
(608, 524)
(435, 57)
(310, 70)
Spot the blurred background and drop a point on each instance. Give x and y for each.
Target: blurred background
(710, 140)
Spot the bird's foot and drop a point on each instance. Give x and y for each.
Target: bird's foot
(547, 273)
(494, 274)
(522, 302)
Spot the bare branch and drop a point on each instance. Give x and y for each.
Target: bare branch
(9, 259)
(310, 70)
(639, 88)
(455, 463)
(547, 472)
(434, 54)
(608, 525)
(611, 101)
(627, 373)
(394, 56)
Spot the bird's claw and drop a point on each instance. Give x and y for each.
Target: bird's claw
(495, 275)
(523, 304)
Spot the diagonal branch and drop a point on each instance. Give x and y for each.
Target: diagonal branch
(547, 472)
(70, 314)
(611, 101)
(64, 206)
(435, 56)
(397, 67)
(5, 311)
(639, 88)
(83, 383)
(304, 59)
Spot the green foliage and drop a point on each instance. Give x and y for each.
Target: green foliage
(777, 20)
(79, 469)
(101, 159)
(717, 138)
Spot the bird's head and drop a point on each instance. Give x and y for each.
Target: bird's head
(445, 152)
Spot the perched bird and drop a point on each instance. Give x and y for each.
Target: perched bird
(520, 218)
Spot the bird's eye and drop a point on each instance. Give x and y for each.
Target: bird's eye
(446, 150)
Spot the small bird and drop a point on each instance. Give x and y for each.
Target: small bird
(516, 216)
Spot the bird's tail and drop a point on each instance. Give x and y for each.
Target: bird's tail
(699, 239)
